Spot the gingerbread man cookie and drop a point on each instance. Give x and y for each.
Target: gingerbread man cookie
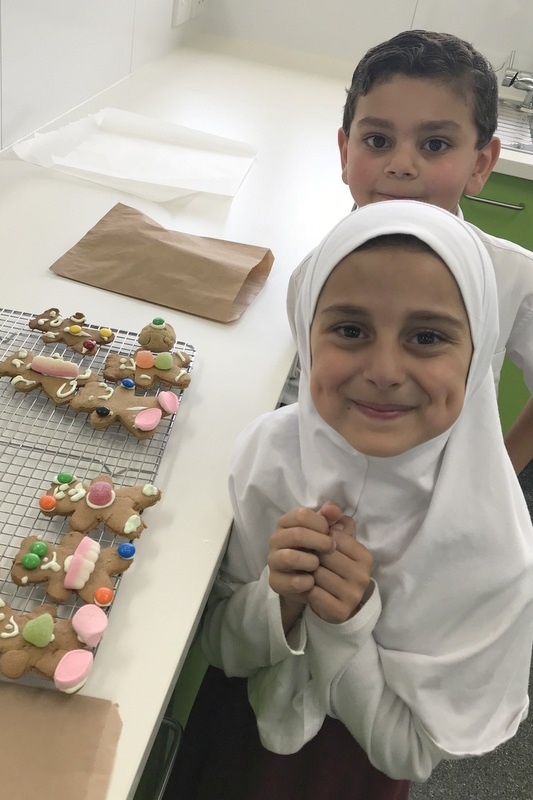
(139, 415)
(37, 642)
(146, 369)
(70, 330)
(76, 564)
(158, 336)
(59, 379)
(87, 504)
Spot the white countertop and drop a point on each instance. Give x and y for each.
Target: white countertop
(290, 198)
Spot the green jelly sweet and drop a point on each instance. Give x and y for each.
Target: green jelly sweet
(30, 561)
(164, 361)
(39, 631)
(39, 549)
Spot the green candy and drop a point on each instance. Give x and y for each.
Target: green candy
(30, 561)
(39, 631)
(164, 361)
(39, 549)
(159, 321)
(65, 477)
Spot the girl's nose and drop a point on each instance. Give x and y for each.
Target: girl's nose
(402, 162)
(384, 367)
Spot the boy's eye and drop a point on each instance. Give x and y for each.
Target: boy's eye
(376, 141)
(436, 145)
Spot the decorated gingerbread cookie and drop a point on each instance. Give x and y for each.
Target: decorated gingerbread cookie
(107, 405)
(146, 368)
(99, 500)
(59, 379)
(37, 642)
(76, 564)
(158, 336)
(70, 331)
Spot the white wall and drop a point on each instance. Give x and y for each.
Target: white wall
(58, 53)
(342, 29)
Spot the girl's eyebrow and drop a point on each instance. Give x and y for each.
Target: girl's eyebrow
(425, 316)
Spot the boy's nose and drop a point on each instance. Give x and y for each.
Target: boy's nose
(402, 163)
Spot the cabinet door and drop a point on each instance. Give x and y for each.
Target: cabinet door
(515, 224)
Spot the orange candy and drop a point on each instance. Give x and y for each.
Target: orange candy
(103, 596)
(144, 359)
(47, 502)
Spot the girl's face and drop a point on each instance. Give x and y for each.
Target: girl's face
(390, 349)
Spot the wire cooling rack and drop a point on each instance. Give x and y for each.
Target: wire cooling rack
(39, 439)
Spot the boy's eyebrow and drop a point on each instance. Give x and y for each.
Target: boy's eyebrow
(429, 126)
(426, 316)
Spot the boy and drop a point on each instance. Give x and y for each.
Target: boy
(419, 123)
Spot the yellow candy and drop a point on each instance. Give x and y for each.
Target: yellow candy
(75, 328)
(105, 332)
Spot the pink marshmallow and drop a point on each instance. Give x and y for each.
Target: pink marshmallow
(168, 402)
(54, 367)
(73, 670)
(89, 623)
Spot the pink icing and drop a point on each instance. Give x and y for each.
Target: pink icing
(73, 670)
(89, 623)
(54, 367)
(148, 419)
(168, 402)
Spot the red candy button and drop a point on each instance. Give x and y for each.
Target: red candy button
(47, 502)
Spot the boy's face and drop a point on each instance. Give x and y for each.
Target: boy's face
(389, 365)
(414, 138)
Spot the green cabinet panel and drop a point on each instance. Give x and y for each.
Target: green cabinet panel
(517, 226)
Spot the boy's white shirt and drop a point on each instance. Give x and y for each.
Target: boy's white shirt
(389, 696)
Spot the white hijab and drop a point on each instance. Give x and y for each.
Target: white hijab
(446, 522)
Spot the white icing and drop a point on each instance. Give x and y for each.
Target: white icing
(181, 372)
(92, 505)
(84, 376)
(24, 579)
(180, 355)
(63, 391)
(132, 524)
(77, 492)
(50, 335)
(20, 379)
(2, 616)
(11, 633)
(108, 393)
(145, 377)
(53, 565)
(80, 333)
(127, 363)
(23, 353)
(17, 363)
(56, 322)
(150, 490)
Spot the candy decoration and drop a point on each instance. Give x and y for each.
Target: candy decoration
(47, 502)
(100, 495)
(103, 596)
(89, 344)
(89, 623)
(148, 419)
(158, 322)
(126, 550)
(73, 670)
(106, 332)
(168, 402)
(75, 329)
(128, 383)
(54, 367)
(65, 477)
(30, 561)
(39, 631)
(164, 361)
(40, 549)
(103, 411)
(80, 565)
(144, 359)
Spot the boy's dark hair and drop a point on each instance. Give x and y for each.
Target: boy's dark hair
(438, 56)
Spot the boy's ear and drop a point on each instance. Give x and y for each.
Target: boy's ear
(342, 140)
(486, 159)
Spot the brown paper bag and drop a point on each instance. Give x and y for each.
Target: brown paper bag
(129, 253)
(55, 746)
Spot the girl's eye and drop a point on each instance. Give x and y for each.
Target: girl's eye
(436, 145)
(348, 331)
(376, 141)
(427, 337)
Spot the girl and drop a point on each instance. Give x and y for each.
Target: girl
(376, 596)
